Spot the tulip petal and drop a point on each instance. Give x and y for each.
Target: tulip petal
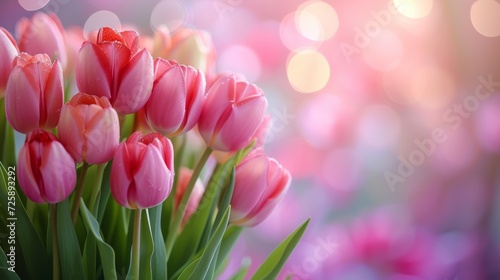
(121, 176)
(153, 179)
(58, 172)
(54, 96)
(70, 127)
(93, 72)
(101, 135)
(166, 107)
(27, 180)
(250, 184)
(136, 82)
(22, 101)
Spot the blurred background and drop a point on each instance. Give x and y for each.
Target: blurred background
(386, 112)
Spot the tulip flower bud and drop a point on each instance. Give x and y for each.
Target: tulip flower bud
(8, 50)
(193, 47)
(260, 184)
(34, 94)
(89, 128)
(161, 42)
(115, 68)
(43, 33)
(177, 98)
(184, 177)
(142, 172)
(46, 171)
(232, 112)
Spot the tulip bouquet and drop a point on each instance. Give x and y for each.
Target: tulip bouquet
(139, 161)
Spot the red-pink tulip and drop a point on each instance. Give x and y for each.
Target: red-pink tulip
(232, 112)
(8, 50)
(177, 98)
(261, 182)
(115, 68)
(184, 177)
(142, 172)
(43, 33)
(34, 94)
(89, 128)
(45, 170)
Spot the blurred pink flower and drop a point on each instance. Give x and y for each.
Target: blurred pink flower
(176, 99)
(231, 114)
(89, 128)
(8, 50)
(115, 67)
(184, 177)
(46, 171)
(42, 34)
(142, 171)
(34, 93)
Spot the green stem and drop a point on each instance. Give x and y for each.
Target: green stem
(55, 246)
(179, 214)
(79, 192)
(97, 187)
(136, 245)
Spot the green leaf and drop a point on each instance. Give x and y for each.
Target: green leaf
(188, 270)
(5, 273)
(209, 256)
(69, 248)
(7, 145)
(159, 261)
(89, 257)
(230, 237)
(37, 263)
(106, 252)
(275, 261)
(226, 198)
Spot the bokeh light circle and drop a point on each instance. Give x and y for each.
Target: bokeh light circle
(414, 8)
(485, 17)
(169, 13)
(308, 71)
(385, 51)
(240, 59)
(432, 87)
(379, 126)
(100, 19)
(316, 20)
(291, 37)
(33, 5)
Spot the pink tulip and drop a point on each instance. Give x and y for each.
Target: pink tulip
(8, 50)
(34, 94)
(43, 33)
(142, 171)
(46, 171)
(261, 182)
(192, 47)
(177, 98)
(184, 177)
(232, 112)
(89, 128)
(115, 68)
(161, 42)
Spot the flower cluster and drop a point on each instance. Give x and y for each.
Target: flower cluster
(149, 103)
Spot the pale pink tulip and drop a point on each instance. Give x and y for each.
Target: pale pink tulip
(261, 183)
(191, 47)
(177, 98)
(8, 50)
(232, 112)
(34, 94)
(45, 170)
(142, 172)
(89, 128)
(115, 67)
(43, 33)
